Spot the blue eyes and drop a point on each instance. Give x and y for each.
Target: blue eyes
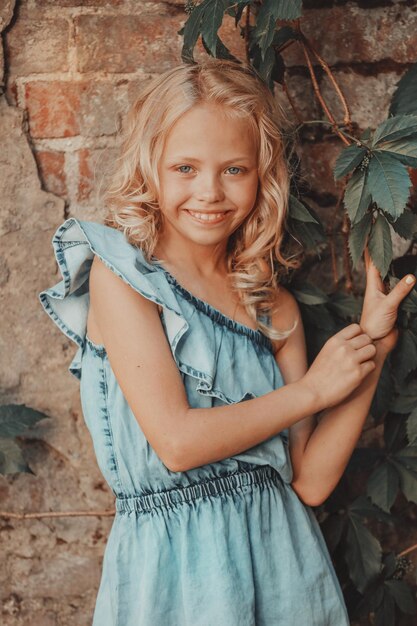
(181, 170)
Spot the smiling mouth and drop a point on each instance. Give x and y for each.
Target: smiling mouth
(202, 216)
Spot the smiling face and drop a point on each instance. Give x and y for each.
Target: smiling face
(208, 179)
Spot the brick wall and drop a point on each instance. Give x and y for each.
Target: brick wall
(72, 68)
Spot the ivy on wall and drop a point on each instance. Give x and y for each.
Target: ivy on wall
(379, 488)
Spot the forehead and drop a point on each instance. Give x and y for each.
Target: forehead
(207, 127)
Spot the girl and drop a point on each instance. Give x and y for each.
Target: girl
(192, 361)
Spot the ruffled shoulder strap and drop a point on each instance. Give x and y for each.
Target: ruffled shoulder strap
(75, 243)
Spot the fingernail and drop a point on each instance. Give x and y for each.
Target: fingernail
(410, 279)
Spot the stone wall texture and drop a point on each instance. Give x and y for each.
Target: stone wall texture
(71, 69)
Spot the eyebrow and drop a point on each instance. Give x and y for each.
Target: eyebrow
(174, 159)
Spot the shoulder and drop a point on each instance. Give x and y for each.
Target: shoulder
(286, 313)
(105, 283)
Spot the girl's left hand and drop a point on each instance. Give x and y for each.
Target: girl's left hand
(379, 312)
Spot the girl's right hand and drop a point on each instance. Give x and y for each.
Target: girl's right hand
(341, 365)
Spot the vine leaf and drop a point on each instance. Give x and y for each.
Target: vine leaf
(406, 225)
(269, 13)
(397, 127)
(363, 554)
(191, 32)
(358, 236)
(357, 196)
(213, 18)
(408, 478)
(404, 99)
(380, 245)
(388, 182)
(404, 150)
(402, 596)
(11, 459)
(347, 160)
(383, 485)
(412, 426)
(298, 211)
(16, 418)
(405, 355)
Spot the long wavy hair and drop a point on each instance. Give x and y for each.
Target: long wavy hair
(254, 258)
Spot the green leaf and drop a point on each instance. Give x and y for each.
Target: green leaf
(406, 225)
(333, 528)
(191, 32)
(345, 305)
(11, 459)
(388, 182)
(408, 480)
(283, 35)
(269, 13)
(383, 486)
(221, 51)
(405, 150)
(380, 245)
(396, 127)
(298, 211)
(310, 294)
(213, 18)
(405, 355)
(357, 196)
(402, 596)
(383, 394)
(357, 238)
(408, 457)
(363, 554)
(404, 99)
(348, 159)
(310, 236)
(16, 418)
(406, 401)
(412, 426)
(385, 613)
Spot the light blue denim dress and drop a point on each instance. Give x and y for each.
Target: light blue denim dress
(224, 544)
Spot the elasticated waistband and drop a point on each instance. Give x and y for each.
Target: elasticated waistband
(211, 487)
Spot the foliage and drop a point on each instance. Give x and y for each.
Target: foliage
(15, 419)
(381, 480)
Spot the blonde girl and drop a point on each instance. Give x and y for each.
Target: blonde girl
(192, 365)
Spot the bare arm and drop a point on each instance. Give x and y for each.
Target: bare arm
(333, 440)
(183, 438)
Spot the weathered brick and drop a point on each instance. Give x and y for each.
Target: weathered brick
(80, 3)
(94, 166)
(68, 108)
(346, 34)
(101, 105)
(128, 43)
(318, 160)
(51, 165)
(368, 97)
(53, 108)
(37, 46)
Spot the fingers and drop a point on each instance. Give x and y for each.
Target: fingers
(367, 367)
(360, 341)
(401, 290)
(353, 330)
(373, 277)
(366, 353)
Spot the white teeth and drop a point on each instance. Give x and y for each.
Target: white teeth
(207, 217)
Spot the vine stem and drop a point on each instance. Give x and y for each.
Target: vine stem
(42, 514)
(247, 25)
(408, 550)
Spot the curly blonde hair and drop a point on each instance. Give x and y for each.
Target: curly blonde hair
(254, 261)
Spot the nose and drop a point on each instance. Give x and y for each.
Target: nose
(209, 188)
